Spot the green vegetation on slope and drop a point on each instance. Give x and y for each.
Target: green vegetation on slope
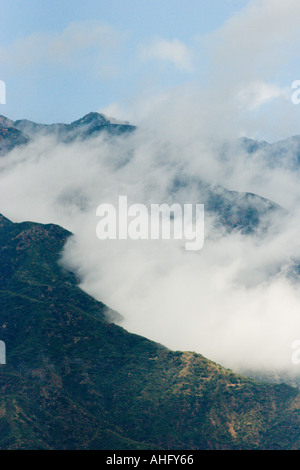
(74, 380)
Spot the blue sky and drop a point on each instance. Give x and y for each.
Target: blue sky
(50, 92)
(63, 59)
(179, 18)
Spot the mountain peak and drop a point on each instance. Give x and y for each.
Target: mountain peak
(5, 122)
(4, 221)
(92, 118)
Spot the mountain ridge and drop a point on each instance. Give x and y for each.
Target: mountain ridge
(21, 131)
(74, 380)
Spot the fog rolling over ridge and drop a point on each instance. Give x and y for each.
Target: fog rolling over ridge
(237, 300)
(226, 139)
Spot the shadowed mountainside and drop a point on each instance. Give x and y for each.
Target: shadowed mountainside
(74, 380)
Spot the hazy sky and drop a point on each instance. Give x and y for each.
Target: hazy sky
(63, 59)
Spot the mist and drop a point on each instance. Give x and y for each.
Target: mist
(236, 300)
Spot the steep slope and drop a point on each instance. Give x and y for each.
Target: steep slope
(10, 137)
(74, 380)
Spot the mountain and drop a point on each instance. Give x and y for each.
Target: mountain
(89, 125)
(15, 133)
(232, 210)
(75, 380)
(5, 122)
(10, 136)
(283, 153)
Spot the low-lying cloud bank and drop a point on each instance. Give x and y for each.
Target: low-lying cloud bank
(234, 301)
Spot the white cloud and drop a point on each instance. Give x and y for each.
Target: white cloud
(261, 37)
(115, 113)
(251, 64)
(175, 52)
(65, 48)
(259, 93)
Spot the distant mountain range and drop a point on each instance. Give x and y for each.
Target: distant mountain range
(281, 154)
(75, 380)
(241, 211)
(15, 133)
